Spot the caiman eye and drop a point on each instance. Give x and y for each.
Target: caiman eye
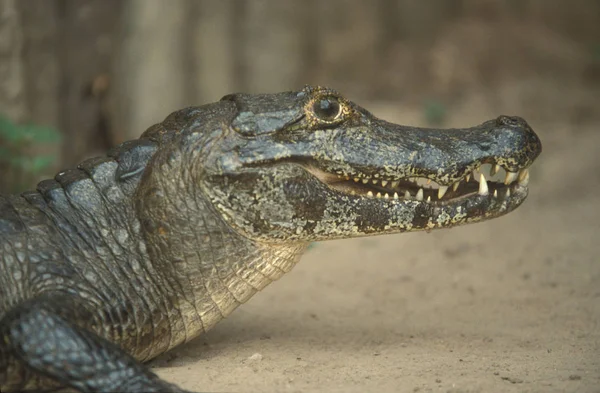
(327, 109)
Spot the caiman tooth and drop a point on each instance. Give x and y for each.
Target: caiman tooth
(370, 194)
(494, 169)
(507, 193)
(483, 187)
(455, 185)
(523, 173)
(386, 196)
(396, 195)
(510, 177)
(365, 181)
(374, 181)
(442, 191)
(495, 193)
(356, 179)
(395, 184)
(429, 198)
(384, 182)
(524, 177)
(468, 177)
(420, 194)
(378, 195)
(407, 194)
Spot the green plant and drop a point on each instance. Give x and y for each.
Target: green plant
(23, 156)
(435, 112)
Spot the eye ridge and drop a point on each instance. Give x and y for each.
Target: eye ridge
(327, 108)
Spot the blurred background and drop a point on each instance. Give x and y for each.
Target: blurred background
(79, 76)
(510, 305)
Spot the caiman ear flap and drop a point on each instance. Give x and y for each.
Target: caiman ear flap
(266, 113)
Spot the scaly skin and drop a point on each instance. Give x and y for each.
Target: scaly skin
(115, 262)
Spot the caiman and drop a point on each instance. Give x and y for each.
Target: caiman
(113, 263)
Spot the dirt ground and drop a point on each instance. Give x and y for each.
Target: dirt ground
(509, 305)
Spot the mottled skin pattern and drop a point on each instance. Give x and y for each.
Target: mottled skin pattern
(113, 263)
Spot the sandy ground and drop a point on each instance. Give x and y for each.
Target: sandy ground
(509, 305)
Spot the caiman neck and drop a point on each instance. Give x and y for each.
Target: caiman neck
(209, 268)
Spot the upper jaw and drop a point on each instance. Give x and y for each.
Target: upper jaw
(432, 165)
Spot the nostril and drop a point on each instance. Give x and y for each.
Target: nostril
(485, 146)
(510, 121)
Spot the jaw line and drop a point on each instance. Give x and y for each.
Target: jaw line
(464, 209)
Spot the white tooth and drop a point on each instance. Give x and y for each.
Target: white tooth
(356, 179)
(420, 194)
(396, 195)
(510, 177)
(429, 198)
(386, 196)
(507, 193)
(524, 178)
(384, 182)
(523, 173)
(374, 181)
(378, 195)
(483, 187)
(441, 191)
(395, 184)
(407, 195)
(468, 177)
(495, 193)
(365, 181)
(370, 194)
(494, 170)
(352, 192)
(455, 185)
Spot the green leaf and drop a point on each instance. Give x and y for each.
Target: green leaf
(40, 134)
(14, 133)
(435, 112)
(8, 130)
(5, 153)
(40, 163)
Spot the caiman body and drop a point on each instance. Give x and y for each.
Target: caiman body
(113, 263)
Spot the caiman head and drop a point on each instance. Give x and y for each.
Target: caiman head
(311, 165)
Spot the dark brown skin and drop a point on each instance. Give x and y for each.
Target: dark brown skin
(115, 262)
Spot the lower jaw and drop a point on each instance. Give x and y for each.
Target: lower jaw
(477, 208)
(408, 215)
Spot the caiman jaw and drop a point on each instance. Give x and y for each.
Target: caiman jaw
(487, 179)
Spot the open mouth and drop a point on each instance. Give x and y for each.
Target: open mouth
(486, 180)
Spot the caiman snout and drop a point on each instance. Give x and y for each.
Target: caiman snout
(522, 134)
(439, 166)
